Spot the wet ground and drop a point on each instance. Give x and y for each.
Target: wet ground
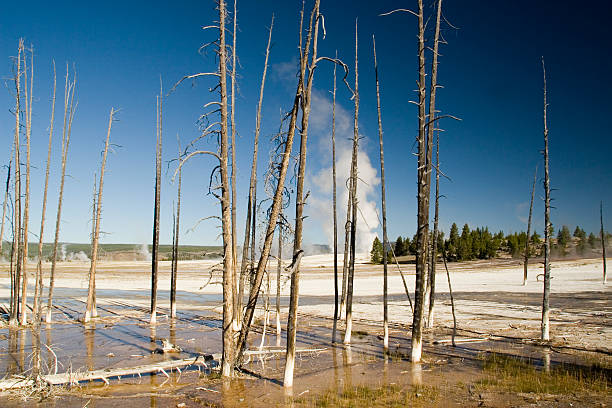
(505, 320)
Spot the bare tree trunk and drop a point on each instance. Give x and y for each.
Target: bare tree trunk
(384, 208)
(333, 137)
(237, 305)
(353, 195)
(6, 192)
(545, 299)
(69, 109)
(18, 245)
(434, 245)
(156, 210)
(535, 175)
(226, 216)
(300, 200)
(345, 259)
(26, 212)
(253, 183)
(175, 245)
(450, 291)
(94, 209)
(431, 117)
(89, 312)
(603, 242)
(279, 265)
(423, 202)
(266, 312)
(276, 203)
(39, 273)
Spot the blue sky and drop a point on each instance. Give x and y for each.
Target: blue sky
(490, 70)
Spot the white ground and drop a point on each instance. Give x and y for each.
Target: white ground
(489, 296)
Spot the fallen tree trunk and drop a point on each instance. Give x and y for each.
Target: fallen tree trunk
(106, 374)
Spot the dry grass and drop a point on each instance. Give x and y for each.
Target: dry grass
(515, 375)
(366, 396)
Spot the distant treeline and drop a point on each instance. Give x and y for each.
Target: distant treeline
(480, 243)
(123, 252)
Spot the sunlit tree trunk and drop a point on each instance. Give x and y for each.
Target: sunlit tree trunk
(279, 266)
(26, 211)
(89, 312)
(354, 201)
(237, 302)
(422, 201)
(535, 174)
(69, 109)
(226, 216)
(6, 193)
(251, 205)
(300, 200)
(276, 207)
(431, 125)
(547, 225)
(175, 246)
(335, 212)
(17, 231)
(39, 272)
(156, 210)
(384, 208)
(434, 245)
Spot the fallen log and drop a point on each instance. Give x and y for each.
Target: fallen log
(460, 340)
(109, 373)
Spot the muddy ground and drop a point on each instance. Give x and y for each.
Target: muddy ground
(491, 304)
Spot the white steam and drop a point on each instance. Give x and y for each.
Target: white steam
(320, 183)
(72, 256)
(144, 252)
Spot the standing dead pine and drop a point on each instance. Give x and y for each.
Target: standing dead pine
(156, 209)
(535, 175)
(69, 110)
(39, 273)
(384, 207)
(545, 329)
(91, 307)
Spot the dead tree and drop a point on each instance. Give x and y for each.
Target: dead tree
(353, 196)
(17, 227)
(345, 256)
(69, 110)
(603, 241)
(277, 200)
(91, 308)
(452, 299)
(384, 207)
(526, 261)
(547, 225)
(300, 198)
(422, 200)
(279, 266)
(220, 129)
(39, 273)
(26, 211)
(434, 245)
(228, 279)
(175, 244)
(237, 306)
(430, 125)
(335, 213)
(156, 209)
(252, 202)
(6, 194)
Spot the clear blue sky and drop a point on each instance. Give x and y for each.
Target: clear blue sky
(490, 70)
